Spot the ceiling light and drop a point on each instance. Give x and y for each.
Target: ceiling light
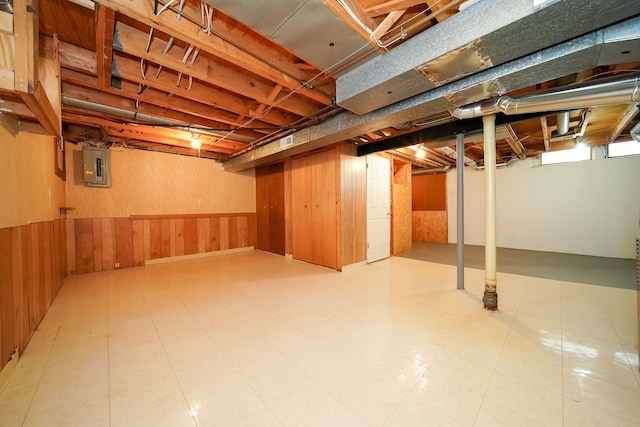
(195, 140)
(421, 153)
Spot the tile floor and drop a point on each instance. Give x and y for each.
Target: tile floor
(253, 339)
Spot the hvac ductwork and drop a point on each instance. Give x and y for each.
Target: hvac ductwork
(605, 92)
(484, 35)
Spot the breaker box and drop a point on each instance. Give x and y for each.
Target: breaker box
(97, 166)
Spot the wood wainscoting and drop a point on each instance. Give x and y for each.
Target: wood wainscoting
(100, 244)
(32, 269)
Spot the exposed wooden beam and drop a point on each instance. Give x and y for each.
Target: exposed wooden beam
(387, 23)
(514, 143)
(390, 6)
(25, 24)
(105, 23)
(629, 114)
(339, 10)
(117, 101)
(142, 10)
(39, 104)
(197, 101)
(134, 42)
(545, 132)
(436, 5)
(16, 108)
(160, 135)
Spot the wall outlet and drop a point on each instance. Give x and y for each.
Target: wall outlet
(117, 265)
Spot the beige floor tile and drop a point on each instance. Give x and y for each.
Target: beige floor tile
(214, 343)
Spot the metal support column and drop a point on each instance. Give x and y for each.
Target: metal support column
(460, 211)
(490, 298)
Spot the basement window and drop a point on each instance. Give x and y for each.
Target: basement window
(622, 149)
(577, 154)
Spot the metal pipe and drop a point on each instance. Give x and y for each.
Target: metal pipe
(635, 132)
(617, 90)
(490, 298)
(563, 123)
(460, 207)
(430, 171)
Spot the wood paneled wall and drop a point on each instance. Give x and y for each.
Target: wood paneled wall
(100, 244)
(430, 226)
(32, 268)
(353, 188)
(401, 233)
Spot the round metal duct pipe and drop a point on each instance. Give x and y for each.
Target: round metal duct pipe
(618, 90)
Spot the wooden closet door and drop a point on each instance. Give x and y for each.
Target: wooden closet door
(301, 220)
(276, 209)
(262, 208)
(270, 208)
(324, 230)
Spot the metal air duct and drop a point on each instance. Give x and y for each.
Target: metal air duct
(616, 90)
(563, 123)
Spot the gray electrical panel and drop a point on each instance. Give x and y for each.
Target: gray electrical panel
(97, 166)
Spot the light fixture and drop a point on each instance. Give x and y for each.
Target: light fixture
(195, 140)
(421, 153)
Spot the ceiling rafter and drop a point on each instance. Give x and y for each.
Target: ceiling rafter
(212, 44)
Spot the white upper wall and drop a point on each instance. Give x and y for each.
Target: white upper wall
(589, 208)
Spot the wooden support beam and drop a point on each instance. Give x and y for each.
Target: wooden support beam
(39, 104)
(387, 23)
(192, 34)
(25, 26)
(545, 133)
(514, 143)
(626, 118)
(156, 134)
(197, 101)
(105, 23)
(390, 6)
(134, 42)
(437, 5)
(129, 104)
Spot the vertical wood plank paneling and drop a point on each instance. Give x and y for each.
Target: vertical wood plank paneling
(179, 237)
(124, 242)
(19, 286)
(71, 246)
(202, 234)
(138, 242)
(147, 239)
(84, 245)
(47, 254)
(172, 237)
(233, 232)
(224, 233)
(190, 236)
(34, 274)
(7, 321)
(97, 244)
(155, 238)
(243, 231)
(251, 224)
(165, 240)
(207, 234)
(353, 174)
(32, 267)
(214, 230)
(108, 228)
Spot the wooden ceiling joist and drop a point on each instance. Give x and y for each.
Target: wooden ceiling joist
(105, 23)
(192, 34)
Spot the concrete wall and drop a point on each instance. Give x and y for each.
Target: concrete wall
(589, 208)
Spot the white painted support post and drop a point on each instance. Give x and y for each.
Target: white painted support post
(490, 298)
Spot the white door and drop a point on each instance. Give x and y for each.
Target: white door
(378, 208)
